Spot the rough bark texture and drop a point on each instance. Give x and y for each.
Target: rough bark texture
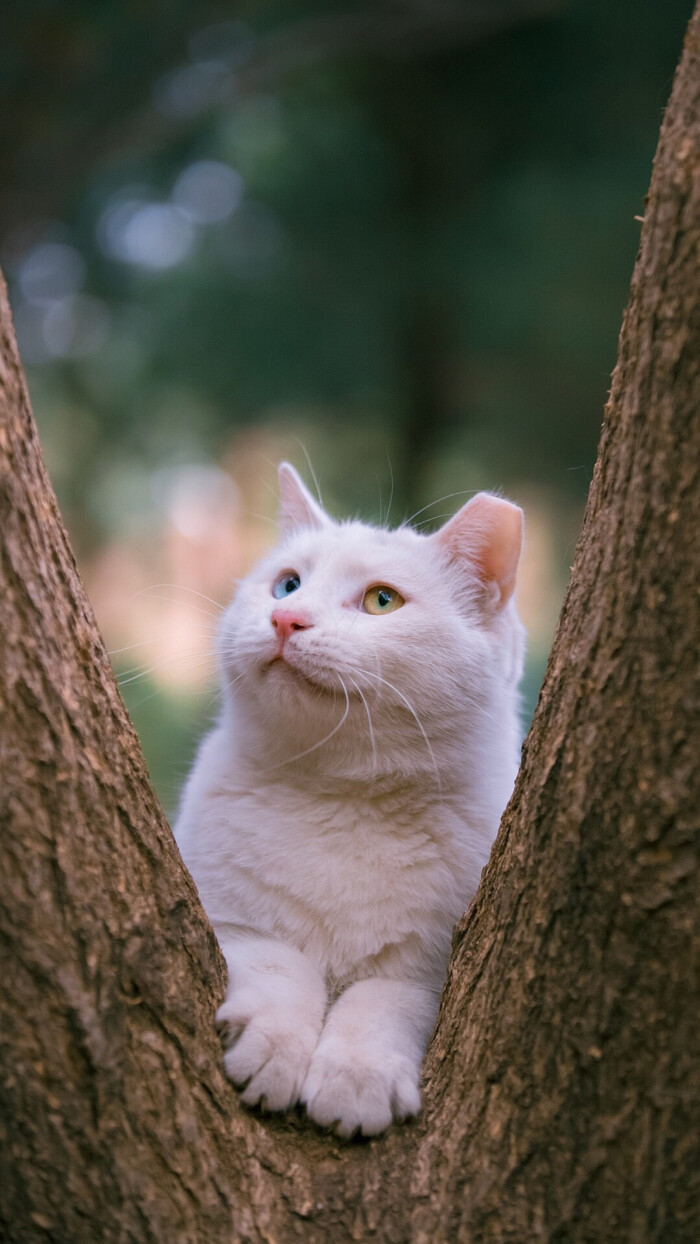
(563, 1083)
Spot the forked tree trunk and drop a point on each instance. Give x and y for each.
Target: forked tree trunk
(563, 1083)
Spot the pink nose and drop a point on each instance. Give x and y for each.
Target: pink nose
(285, 621)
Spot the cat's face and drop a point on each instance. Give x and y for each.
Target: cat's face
(383, 622)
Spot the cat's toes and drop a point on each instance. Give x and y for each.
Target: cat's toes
(352, 1093)
(268, 1059)
(269, 1068)
(230, 1020)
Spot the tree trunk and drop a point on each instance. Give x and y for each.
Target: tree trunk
(563, 1083)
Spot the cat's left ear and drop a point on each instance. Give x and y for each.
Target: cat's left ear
(297, 507)
(487, 536)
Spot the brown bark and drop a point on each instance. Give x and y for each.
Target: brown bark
(563, 1083)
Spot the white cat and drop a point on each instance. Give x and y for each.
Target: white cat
(338, 817)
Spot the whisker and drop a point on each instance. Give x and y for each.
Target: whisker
(434, 518)
(308, 750)
(115, 652)
(391, 493)
(183, 655)
(192, 650)
(266, 519)
(304, 450)
(369, 724)
(135, 705)
(413, 713)
(226, 687)
(180, 587)
(268, 488)
(464, 492)
(123, 680)
(172, 600)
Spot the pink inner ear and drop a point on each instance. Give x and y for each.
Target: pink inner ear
(488, 533)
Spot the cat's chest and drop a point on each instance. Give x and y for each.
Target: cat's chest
(338, 848)
(348, 876)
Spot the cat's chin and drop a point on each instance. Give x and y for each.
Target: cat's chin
(294, 677)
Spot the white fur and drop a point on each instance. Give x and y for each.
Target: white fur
(338, 817)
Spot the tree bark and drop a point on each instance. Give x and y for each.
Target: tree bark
(563, 1082)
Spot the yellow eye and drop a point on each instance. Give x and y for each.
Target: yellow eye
(381, 599)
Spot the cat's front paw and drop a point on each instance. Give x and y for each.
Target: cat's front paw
(351, 1089)
(267, 1052)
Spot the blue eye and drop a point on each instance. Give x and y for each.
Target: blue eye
(287, 582)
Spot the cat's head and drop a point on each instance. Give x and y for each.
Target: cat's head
(388, 632)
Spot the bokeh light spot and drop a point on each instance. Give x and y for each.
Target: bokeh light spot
(208, 191)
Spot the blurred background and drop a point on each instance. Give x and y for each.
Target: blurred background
(389, 240)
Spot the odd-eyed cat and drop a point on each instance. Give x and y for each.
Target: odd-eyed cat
(338, 817)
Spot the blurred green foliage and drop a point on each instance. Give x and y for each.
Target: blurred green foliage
(171, 724)
(425, 233)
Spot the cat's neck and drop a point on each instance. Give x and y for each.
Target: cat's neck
(341, 757)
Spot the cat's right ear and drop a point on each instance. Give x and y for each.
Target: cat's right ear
(486, 536)
(297, 507)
